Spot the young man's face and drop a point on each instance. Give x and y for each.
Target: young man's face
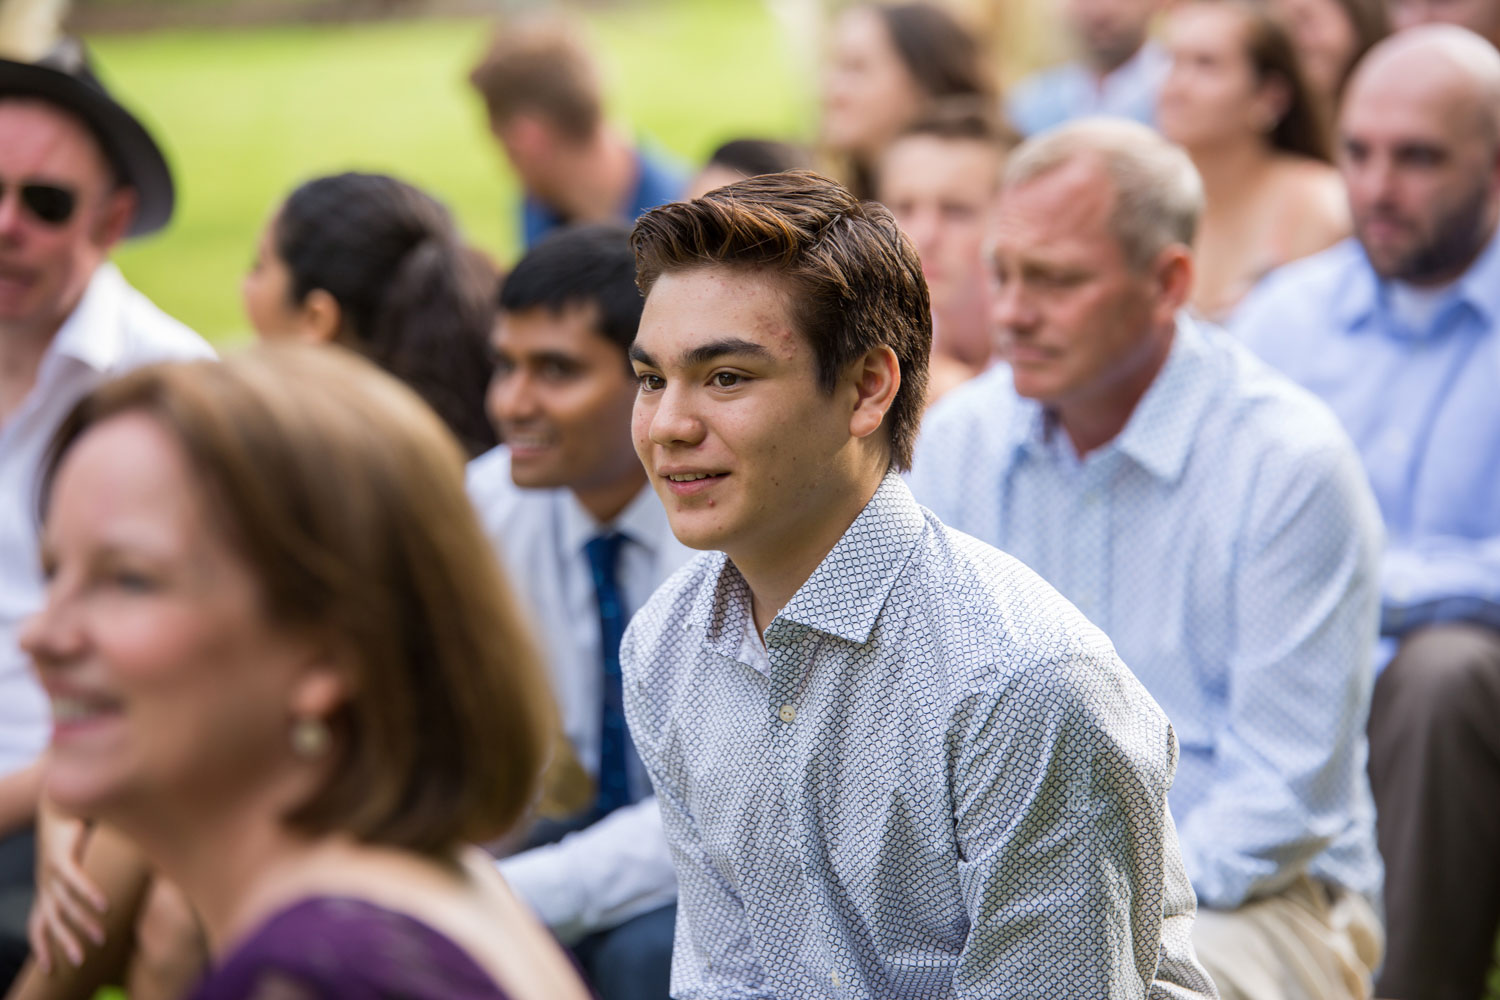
(561, 397)
(738, 439)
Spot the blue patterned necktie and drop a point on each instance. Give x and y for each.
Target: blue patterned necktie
(614, 783)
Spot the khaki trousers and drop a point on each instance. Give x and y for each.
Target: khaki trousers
(1307, 942)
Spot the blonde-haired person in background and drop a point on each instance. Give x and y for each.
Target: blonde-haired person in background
(1206, 513)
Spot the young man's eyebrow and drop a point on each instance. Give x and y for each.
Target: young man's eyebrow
(714, 349)
(704, 353)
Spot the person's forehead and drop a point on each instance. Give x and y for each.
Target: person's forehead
(701, 305)
(572, 329)
(1435, 105)
(1074, 199)
(39, 132)
(928, 161)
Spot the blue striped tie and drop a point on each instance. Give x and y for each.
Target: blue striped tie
(614, 745)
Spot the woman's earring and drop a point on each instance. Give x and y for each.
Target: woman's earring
(310, 737)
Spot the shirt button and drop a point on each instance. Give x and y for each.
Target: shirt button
(787, 713)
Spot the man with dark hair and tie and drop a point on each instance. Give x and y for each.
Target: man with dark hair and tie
(586, 541)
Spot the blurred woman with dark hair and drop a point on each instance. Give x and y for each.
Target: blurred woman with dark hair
(284, 663)
(377, 265)
(888, 64)
(1331, 37)
(1235, 99)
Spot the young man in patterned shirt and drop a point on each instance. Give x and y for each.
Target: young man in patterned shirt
(891, 761)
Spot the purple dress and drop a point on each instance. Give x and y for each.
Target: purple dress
(334, 948)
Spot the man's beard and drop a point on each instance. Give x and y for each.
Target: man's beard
(1457, 238)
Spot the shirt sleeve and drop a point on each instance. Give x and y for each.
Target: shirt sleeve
(1289, 760)
(713, 957)
(1440, 579)
(1064, 836)
(598, 877)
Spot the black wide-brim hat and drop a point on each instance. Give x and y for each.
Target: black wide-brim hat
(63, 77)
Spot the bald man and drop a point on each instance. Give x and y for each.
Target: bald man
(1397, 330)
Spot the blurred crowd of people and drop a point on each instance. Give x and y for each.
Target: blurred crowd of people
(1039, 543)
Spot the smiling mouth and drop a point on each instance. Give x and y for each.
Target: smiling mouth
(72, 710)
(693, 477)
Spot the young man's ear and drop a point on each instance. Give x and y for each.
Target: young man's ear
(876, 380)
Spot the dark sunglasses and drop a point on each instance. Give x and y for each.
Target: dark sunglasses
(49, 203)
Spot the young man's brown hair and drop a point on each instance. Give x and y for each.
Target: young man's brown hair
(853, 280)
(540, 67)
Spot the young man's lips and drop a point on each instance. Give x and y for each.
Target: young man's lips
(682, 486)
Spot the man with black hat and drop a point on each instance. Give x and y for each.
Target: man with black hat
(78, 173)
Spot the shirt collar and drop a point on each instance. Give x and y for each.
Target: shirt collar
(643, 521)
(1362, 295)
(91, 334)
(1159, 434)
(845, 594)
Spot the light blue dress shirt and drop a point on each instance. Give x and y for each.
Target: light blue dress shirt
(1227, 543)
(618, 867)
(1073, 90)
(1423, 407)
(940, 783)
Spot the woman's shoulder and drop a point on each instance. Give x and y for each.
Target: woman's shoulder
(327, 947)
(1305, 182)
(1312, 202)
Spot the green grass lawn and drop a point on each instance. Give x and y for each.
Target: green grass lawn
(247, 114)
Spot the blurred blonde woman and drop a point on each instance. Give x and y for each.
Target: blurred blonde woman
(1236, 101)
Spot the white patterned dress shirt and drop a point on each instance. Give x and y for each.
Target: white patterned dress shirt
(946, 785)
(1228, 544)
(618, 867)
(113, 329)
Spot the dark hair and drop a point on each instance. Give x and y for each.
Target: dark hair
(586, 265)
(854, 280)
(966, 119)
(1302, 129)
(413, 298)
(1371, 21)
(345, 496)
(942, 56)
(753, 157)
(539, 66)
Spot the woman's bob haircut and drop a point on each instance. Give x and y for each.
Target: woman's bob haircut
(344, 494)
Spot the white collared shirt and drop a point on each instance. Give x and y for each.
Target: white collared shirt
(112, 329)
(619, 867)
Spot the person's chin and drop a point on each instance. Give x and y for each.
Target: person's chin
(537, 471)
(697, 529)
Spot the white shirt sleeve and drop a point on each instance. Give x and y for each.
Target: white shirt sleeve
(598, 877)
